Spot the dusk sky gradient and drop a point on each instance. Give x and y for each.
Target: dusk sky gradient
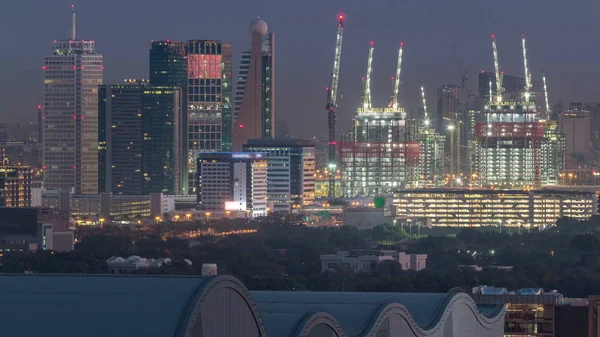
(562, 37)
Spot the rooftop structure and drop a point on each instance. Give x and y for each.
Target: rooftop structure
(221, 306)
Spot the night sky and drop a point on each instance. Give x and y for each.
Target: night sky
(562, 40)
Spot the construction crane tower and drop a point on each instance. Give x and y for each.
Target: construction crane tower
(394, 101)
(548, 112)
(331, 107)
(499, 75)
(528, 85)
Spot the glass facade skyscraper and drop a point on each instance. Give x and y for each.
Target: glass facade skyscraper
(161, 154)
(72, 73)
(168, 63)
(120, 138)
(208, 101)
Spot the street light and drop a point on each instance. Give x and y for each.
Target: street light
(207, 215)
(101, 222)
(177, 216)
(228, 213)
(157, 218)
(188, 216)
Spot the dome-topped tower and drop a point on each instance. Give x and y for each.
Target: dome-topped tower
(258, 27)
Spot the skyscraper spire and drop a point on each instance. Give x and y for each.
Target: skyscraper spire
(73, 23)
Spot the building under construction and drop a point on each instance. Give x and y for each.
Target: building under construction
(381, 151)
(431, 156)
(512, 146)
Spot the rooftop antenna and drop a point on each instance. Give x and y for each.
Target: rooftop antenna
(73, 23)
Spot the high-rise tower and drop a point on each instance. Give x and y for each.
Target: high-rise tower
(208, 102)
(72, 74)
(255, 94)
(168, 64)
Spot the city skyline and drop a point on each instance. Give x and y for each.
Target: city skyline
(302, 76)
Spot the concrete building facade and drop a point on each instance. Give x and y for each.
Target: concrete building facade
(291, 171)
(72, 74)
(232, 184)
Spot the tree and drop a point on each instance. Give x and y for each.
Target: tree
(586, 242)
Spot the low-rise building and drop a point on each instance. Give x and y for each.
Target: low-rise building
(15, 186)
(361, 261)
(291, 171)
(30, 229)
(119, 265)
(457, 207)
(532, 312)
(110, 208)
(232, 184)
(366, 217)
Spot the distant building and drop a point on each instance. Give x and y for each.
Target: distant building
(15, 186)
(448, 106)
(456, 207)
(255, 94)
(120, 110)
(30, 229)
(363, 261)
(232, 183)
(576, 126)
(291, 171)
(72, 74)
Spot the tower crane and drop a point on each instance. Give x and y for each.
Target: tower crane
(548, 112)
(499, 75)
(528, 85)
(367, 87)
(332, 104)
(394, 102)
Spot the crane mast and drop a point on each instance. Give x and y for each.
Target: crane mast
(394, 104)
(526, 91)
(367, 93)
(499, 76)
(425, 119)
(546, 97)
(331, 106)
